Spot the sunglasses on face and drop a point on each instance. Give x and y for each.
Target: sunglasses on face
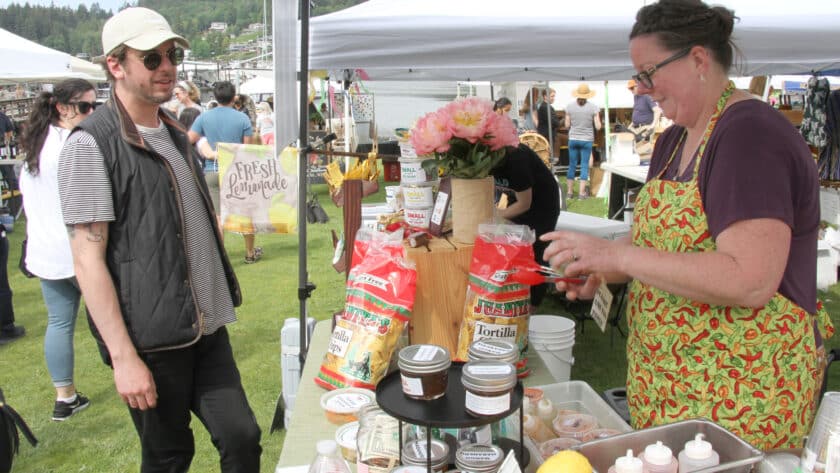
(646, 77)
(153, 59)
(85, 107)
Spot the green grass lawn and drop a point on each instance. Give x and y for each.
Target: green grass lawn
(102, 438)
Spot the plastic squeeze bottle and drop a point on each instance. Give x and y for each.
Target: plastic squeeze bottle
(657, 458)
(697, 454)
(328, 460)
(536, 429)
(627, 464)
(546, 411)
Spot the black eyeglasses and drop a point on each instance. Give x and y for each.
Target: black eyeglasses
(152, 59)
(85, 107)
(645, 77)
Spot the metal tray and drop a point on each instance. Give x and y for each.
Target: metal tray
(736, 455)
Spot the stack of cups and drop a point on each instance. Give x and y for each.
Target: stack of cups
(417, 187)
(822, 449)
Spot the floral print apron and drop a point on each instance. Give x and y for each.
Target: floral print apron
(756, 372)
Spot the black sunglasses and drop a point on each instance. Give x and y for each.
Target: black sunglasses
(645, 77)
(85, 107)
(152, 59)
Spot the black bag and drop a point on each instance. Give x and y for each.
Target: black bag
(314, 212)
(22, 262)
(10, 422)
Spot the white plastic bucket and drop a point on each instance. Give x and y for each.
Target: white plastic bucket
(553, 338)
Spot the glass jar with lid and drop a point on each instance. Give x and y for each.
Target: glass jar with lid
(479, 458)
(488, 386)
(424, 371)
(416, 452)
(377, 441)
(493, 349)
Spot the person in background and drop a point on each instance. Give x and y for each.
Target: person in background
(582, 120)
(265, 123)
(202, 148)
(224, 124)
(154, 273)
(7, 128)
(48, 256)
(548, 123)
(645, 111)
(535, 201)
(9, 332)
(244, 104)
(502, 106)
(188, 96)
(530, 105)
(722, 308)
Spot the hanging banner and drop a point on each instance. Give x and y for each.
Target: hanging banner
(258, 192)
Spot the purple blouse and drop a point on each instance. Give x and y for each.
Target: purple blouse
(757, 165)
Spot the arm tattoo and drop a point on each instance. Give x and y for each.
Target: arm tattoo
(93, 237)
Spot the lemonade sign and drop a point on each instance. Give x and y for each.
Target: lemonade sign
(258, 191)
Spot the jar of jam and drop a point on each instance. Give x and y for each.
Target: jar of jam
(488, 386)
(493, 349)
(479, 458)
(415, 453)
(424, 371)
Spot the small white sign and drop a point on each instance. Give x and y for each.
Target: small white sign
(601, 306)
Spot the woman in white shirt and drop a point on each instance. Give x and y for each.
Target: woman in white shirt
(48, 256)
(265, 123)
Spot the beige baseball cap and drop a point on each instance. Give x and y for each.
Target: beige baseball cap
(138, 28)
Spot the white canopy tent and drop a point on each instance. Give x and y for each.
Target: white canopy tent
(550, 40)
(22, 60)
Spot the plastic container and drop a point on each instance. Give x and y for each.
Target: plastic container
(328, 460)
(550, 447)
(342, 405)
(574, 426)
(696, 455)
(546, 411)
(479, 458)
(488, 386)
(627, 464)
(415, 453)
(345, 437)
(419, 218)
(424, 371)
(412, 172)
(596, 434)
(536, 429)
(657, 458)
(418, 195)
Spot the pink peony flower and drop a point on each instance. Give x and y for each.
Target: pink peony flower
(500, 132)
(431, 133)
(469, 117)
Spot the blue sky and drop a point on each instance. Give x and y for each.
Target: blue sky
(112, 5)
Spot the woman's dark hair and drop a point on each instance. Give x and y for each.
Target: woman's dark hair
(681, 24)
(502, 103)
(43, 114)
(188, 116)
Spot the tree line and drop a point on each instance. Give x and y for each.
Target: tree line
(78, 30)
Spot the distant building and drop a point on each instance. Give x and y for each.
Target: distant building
(255, 27)
(218, 26)
(84, 56)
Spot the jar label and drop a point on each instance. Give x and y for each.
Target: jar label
(412, 386)
(347, 402)
(426, 353)
(487, 405)
(483, 456)
(501, 369)
(490, 348)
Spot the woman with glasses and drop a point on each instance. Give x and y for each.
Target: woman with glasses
(722, 309)
(188, 96)
(48, 256)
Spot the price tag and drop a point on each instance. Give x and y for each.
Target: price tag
(601, 306)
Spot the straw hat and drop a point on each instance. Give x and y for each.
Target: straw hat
(631, 83)
(583, 92)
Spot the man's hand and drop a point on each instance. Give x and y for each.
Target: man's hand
(135, 383)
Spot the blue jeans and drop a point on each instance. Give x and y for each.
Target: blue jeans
(579, 151)
(202, 379)
(61, 297)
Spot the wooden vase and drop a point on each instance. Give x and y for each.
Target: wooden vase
(472, 204)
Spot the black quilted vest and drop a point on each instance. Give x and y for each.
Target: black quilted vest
(146, 254)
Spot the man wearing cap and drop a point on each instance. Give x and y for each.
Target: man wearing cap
(645, 111)
(156, 280)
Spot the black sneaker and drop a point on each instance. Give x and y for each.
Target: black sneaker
(11, 334)
(63, 410)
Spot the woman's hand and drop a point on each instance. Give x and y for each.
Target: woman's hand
(577, 254)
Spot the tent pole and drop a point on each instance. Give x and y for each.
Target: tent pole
(305, 288)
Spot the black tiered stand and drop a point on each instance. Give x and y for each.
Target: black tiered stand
(446, 411)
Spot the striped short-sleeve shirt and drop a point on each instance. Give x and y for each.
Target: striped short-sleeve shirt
(86, 197)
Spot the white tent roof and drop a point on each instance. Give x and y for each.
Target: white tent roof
(22, 60)
(548, 39)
